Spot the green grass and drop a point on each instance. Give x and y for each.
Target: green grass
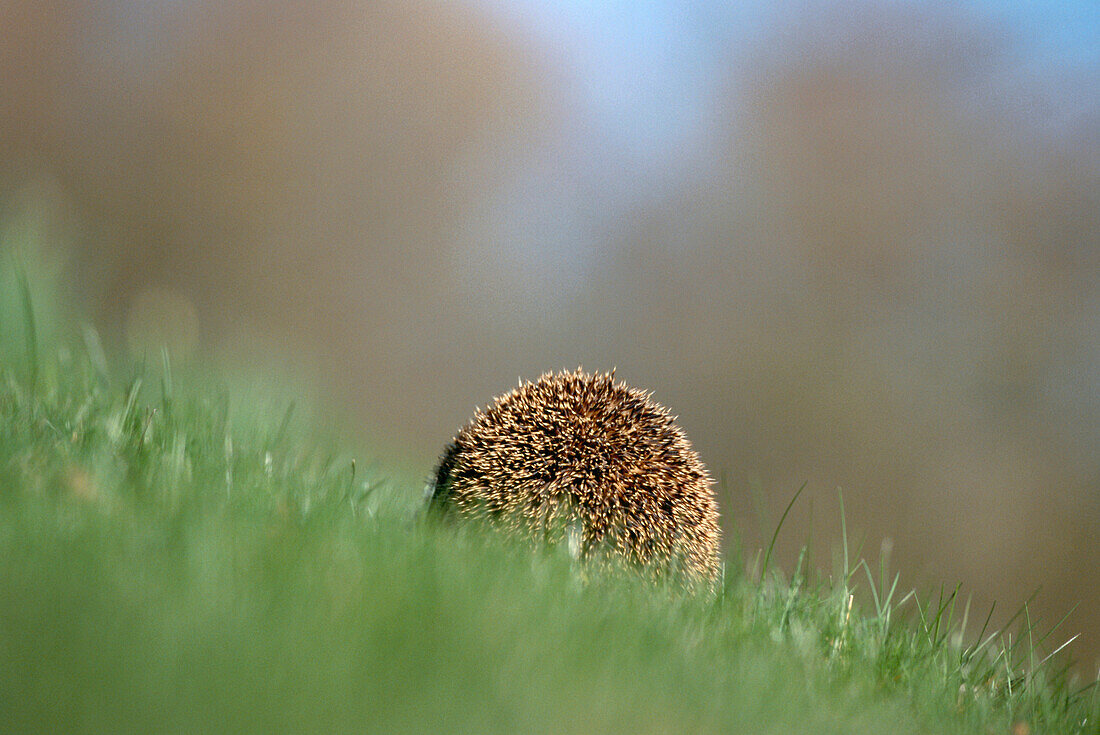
(174, 558)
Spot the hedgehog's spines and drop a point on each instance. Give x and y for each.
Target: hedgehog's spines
(572, 446)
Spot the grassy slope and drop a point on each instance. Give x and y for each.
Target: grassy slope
(172, 561)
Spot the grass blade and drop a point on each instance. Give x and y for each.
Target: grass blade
(771, 546)
(30, 329)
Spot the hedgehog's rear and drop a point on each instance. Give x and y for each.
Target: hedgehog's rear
(573, 447)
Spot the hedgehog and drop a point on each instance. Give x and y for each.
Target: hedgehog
(582, 457)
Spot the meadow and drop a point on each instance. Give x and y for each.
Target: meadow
(179, 553)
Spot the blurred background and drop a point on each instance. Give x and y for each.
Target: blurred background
(850, 244)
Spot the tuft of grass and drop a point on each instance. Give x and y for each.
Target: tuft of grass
(175, 559)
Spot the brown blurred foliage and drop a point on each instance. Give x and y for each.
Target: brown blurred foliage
(884, 277)
(281, 164)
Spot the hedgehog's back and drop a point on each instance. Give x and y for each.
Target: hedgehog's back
(578, 451)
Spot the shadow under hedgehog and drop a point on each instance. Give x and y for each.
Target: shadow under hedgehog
(582, 455)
